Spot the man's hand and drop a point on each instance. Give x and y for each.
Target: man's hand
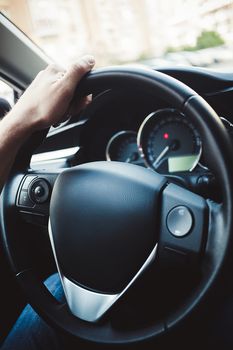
(48, 99)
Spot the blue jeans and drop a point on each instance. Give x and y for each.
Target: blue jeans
(30, 331)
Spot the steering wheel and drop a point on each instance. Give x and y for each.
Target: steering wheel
(111, 224)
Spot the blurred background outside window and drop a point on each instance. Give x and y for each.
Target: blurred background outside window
(152, 32)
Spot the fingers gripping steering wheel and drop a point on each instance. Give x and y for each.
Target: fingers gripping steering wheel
(111, 222)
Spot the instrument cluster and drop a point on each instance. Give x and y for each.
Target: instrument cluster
(166, 142)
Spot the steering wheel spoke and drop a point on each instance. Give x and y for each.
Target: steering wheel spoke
(33, 196)
(184, 227)
(91, 305)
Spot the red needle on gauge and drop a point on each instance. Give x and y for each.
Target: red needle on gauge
(171, 146)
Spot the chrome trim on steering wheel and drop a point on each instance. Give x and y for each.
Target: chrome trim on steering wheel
(89, 305)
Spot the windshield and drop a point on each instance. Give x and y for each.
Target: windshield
(152, 32)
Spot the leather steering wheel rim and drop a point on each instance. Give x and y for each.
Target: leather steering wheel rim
(217, 144)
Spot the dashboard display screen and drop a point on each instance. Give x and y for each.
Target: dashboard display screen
(182, 163)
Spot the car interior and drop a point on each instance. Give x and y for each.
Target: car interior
(130, 201)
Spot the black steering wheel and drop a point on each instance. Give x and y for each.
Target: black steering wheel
(111, 224)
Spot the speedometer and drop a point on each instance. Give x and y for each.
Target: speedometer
(169, 142)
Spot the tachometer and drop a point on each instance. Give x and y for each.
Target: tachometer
(169, 142)
(123, 147)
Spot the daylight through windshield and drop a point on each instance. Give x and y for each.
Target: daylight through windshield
(152, 32)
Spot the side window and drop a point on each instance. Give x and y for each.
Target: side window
(6, 92)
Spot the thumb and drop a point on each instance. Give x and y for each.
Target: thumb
(77, 70)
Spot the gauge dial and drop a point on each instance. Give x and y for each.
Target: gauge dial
(123, 147)
(169, 142)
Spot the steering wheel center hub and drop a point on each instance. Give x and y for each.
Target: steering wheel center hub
(101, 237)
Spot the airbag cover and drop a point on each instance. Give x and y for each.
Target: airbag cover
(105, 220)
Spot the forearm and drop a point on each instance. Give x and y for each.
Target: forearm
(12, 135)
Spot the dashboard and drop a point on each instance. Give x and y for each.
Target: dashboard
(166, 142)
(132, 127)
